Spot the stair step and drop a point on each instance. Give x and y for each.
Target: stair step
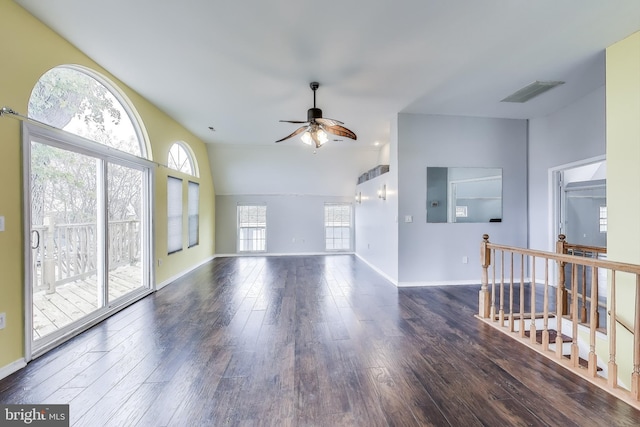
(552, 336)
(582, 362)
(565, 339)
(526, 316)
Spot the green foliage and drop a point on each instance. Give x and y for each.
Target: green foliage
(63, 183)
(63, 93)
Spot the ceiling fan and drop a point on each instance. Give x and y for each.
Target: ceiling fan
(315, 129)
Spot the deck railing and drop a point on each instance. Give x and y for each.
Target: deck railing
(63, 253)
(521, 295)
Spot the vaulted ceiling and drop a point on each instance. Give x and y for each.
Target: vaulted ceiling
(241, 66)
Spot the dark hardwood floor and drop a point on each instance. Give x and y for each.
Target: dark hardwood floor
(306, 341)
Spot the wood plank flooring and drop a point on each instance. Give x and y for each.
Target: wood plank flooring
(306, 341)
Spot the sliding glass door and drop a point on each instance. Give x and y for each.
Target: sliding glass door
(89, 229)
(64, 238)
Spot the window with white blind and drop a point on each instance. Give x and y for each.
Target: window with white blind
(337, 226)
(603, 219)
(194, 216)
(174, 214)
(252, 227)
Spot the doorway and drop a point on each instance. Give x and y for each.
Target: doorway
(580, 212)
(581, 204)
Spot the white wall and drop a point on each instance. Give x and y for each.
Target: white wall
(575, 133)
(295, 224)
(432, 253)
(289, 169)
(293, 182)
(376, 219)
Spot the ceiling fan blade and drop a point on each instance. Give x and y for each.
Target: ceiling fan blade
(293, 121)
(340, 131)
(296, 132)
(328, 122)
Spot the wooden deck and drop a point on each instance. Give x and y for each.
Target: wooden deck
(74, 300)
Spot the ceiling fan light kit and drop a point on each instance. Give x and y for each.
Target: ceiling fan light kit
(316, 128)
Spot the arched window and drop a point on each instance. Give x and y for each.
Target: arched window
(88, 203)
(181, 159)
(79, 101)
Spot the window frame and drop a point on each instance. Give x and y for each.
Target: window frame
(125, 104)
(193, 214)
(603, 219)
(340, 226)
(175, 213)
(239, 228)
(190, 159)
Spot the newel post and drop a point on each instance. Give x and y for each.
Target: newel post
(562, 288)
(484, 300)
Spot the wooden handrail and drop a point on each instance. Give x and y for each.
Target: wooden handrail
(622, 323)
(571, 259)
(586, 248)
(574, 246)
(577, 308)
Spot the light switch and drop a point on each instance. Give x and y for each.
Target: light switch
(408, 218)
(1, 223)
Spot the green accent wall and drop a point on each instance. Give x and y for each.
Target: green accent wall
(31, 50)
(623, 180)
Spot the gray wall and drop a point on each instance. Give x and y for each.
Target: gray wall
(293, 182)
(292, 169)
(575, 133)
(295, 224)
(433, 253)
(376, 219)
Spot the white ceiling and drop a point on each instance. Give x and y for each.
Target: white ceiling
(240, 66)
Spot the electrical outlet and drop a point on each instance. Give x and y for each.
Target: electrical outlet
(3, 320)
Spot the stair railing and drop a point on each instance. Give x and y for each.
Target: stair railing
(584, 296)
(543, 314)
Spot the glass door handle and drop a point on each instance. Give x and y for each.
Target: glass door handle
(35, 237)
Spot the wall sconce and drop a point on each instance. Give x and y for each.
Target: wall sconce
(359, 197)
(382, 192)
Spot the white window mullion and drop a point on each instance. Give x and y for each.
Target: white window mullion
(102, 231)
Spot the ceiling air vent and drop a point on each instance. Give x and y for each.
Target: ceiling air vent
(530, 91)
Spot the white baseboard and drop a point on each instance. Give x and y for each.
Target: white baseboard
(182, 273)
(439, 283)
(259, 254)
(377, 270)
(12, 367)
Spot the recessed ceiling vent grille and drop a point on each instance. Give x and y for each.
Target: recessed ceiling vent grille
(530, 91)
